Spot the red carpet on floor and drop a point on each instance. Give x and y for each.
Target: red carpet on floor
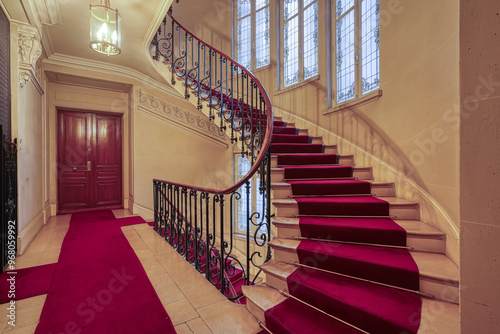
(100, 285)
(29, 282)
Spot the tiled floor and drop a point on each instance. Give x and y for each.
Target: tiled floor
(193, 304)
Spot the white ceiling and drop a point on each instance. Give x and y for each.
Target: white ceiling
(65, 28)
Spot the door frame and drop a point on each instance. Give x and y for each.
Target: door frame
(123, 142)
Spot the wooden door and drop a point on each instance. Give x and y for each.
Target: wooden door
(89, 154)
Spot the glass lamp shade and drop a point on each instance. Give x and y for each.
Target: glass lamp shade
(105, 30)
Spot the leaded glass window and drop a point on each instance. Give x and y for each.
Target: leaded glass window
(256, 200)
(300, 40)
(252, 33)
(357, 48)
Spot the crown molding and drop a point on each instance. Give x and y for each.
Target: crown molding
(101, 67)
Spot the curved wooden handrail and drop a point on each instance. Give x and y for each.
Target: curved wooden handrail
(269, 126)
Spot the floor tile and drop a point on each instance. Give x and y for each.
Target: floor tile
(228, 317)
(198, 326)
(170, 294)
(183, 329)
(181, 311)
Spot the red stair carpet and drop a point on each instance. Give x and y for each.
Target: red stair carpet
(30, 282)
(335, 208)
(99, 285)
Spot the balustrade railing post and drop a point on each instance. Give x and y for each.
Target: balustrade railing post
(222, 246)
(248, 228)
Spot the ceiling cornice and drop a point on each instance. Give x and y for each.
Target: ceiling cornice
(86, 64)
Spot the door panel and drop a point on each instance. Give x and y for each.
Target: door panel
(108, 159)
(73, 154)
(89, 160)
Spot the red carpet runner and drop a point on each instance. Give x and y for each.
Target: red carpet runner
(99, 285)
(30, 282)
(322, 188)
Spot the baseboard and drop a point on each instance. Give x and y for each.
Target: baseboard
(46, 213)
(145, 213)
(29, 233)
(53, 210)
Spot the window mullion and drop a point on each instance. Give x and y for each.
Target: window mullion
(300, 15)
(253, 28)
(357, 34)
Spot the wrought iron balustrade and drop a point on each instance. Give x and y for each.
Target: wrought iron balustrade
(200, 223)
(8, 185)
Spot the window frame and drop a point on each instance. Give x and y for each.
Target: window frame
(300, 14)
(358, 66)
(253, 33)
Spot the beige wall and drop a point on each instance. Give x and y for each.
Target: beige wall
(174, 148)
(27, 119)
(479, 166)
(30, 119)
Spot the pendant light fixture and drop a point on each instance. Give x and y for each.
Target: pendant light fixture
(105, 29)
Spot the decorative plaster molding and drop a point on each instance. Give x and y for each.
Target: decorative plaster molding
(195, 122)
(29, 52)
(47, 12)
(108, 68)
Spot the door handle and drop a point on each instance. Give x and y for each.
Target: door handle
(74, 169)
(89, 166)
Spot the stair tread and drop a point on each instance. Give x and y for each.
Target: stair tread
(447, 322)
(263, 296)
(436, 266)
(373, 182)
(278, 268)
(391, 200)
(431, 265)
(412, 227)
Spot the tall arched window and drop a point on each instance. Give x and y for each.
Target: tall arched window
(299, 24)
(357, 48)
(252, 33)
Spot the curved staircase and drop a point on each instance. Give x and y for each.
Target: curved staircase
(348, 255)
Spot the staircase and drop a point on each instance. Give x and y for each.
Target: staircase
(349, 255)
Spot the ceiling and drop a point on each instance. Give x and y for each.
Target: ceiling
(64, 26)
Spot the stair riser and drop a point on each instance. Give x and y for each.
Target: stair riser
(278, 175)
(409, 211)
(442, 290)
(439, 290)
(419, 244)
(384, 190)
(285, 191)
(255, 310)
(347, 160)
